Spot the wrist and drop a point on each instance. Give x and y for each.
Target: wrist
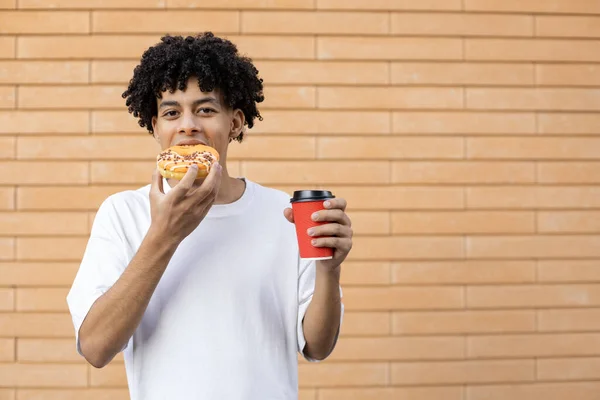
(160, 240)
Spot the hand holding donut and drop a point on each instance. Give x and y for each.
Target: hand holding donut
(177, 213)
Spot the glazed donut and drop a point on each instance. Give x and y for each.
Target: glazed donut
(175, 161)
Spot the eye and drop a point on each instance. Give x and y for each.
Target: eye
(170, 113)
(206, 111)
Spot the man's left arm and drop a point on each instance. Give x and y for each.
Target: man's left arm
(321, 323)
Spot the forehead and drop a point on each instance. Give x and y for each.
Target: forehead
(190, 94)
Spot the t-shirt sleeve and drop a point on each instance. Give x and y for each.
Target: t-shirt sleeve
(103, 262)
(306, 288)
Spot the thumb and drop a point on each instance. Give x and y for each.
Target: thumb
(157, 183)
(288, 214)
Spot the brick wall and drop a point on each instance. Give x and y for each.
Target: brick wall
(462, 132)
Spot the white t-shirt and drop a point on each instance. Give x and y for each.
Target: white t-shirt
(225, 321)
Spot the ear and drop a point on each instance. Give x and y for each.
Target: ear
(154, 130)
(237, 124)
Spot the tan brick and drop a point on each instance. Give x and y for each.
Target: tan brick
(555, 246)
(463, 222)
(403, 298)
(569, 320)
(502, 197)
(276, 47)
(140, 147)
(7, 249)
(463, 172)
(461, 24)
(65, 198)
(534, 6)
(370, 223)
(357, 273)
(463, 272)
(461, 372)
(12, 172)
(463, 322)
(159, 22)
(565, 123)
(324, 122)
(546, 391)
(115, 122)
(7, 97)
(7, 352)
(569, 172)
(568, 221)
(567, 75)
(320, 72)
(112, 71)
(462, 73)
(84, 47)
(389, 48)
(282, 97)
(43, 375)
(272, 148)
(7, 299)
(71, 97)
(317, 172)
(568, 369)
(36, 325)
(390, 4)
(7, 5)
(393, 393)
(90, 4)
(42, 299)
(34, 274)
(44, 122)
(365, 323)
(7, 47)
(568, 271)
(42, 223)
(567, 26)
(7, 198)
(51, 248)
(28, 22)
(406, 248)
(472, 123)
(398, 197)
(531, 50)
(389, 97)
(398, 348)
(36, 72)
(307, 394)
(113, 375)
(365, 148)
(310, 22)
(7, 147)
(76, 394)
(533, 148)
(340, 374)
(533, 296)
(540, 345)
(47, 350)
(533, 99)
(251, 4)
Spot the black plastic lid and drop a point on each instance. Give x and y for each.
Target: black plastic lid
(311, 195)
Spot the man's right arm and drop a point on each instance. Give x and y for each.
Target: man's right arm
(116, 314)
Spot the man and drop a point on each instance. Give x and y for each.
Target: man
(200, 282)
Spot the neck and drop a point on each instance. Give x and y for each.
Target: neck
(231, 188)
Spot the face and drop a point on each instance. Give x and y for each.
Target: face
(196, 117)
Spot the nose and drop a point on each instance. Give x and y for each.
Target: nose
(189, 125)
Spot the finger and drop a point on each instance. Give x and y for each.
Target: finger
(211, 184)
(289, 215)
(157, 183)
(336, 215)
(338, 203)
(330, 230)
(185, 184)
(343, 244)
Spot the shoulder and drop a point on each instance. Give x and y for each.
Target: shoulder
(121, 205)
(271, 196)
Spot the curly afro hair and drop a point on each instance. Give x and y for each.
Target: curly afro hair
(214, 61)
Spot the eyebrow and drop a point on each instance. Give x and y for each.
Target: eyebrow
(203, 100)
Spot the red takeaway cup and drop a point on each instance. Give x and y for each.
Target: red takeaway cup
(304, 204)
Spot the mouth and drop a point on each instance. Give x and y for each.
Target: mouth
(191, 142)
